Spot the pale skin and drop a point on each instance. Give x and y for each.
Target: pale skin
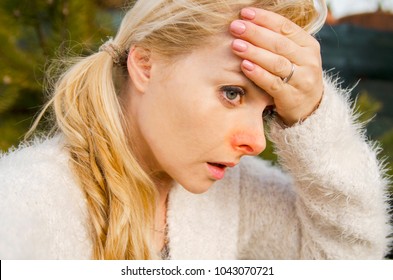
(203, 108)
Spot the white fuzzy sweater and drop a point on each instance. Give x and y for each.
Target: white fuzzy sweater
(330, 203)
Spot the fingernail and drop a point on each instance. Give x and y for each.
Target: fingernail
(248, 65)
(247, 13)
(237, 27)
(239, 45)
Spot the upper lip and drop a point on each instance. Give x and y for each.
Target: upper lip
(226, 164)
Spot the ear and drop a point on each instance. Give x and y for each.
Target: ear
(139, 67)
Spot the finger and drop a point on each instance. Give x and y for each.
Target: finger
(267, 39)
(291, 105)
(275, 64)
(272, 84)
(279, 24)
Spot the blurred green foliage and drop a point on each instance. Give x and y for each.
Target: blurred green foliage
(368, 108)
(32, 33)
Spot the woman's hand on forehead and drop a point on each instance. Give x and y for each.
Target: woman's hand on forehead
(282, 59)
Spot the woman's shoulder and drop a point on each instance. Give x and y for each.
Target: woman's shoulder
(40, 202)
(38, 161)
(40, 147)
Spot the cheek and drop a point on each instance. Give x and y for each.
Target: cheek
(172, 121)
(190, 114)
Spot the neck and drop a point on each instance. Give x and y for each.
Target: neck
(164, 184)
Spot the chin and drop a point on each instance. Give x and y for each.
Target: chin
(197, 188)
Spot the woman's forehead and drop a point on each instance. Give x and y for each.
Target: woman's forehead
(216, 54)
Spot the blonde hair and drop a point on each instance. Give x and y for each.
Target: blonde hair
(121, 197)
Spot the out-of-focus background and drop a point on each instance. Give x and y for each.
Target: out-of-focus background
(356, 43)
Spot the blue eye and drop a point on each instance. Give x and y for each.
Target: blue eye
(232, 94)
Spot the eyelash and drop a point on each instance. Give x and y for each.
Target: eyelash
(235, 89)
(267, 113)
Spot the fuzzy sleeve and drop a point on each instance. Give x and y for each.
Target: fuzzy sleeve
(334, 205)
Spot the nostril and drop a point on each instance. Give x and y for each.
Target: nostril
(246, 148)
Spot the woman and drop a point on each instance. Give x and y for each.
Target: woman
(145, 162)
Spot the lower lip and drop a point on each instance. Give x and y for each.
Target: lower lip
(217, 172)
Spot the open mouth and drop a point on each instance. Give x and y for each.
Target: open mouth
(216, 170)
(217, 165)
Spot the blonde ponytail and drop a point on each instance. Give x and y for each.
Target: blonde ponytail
(89, 115)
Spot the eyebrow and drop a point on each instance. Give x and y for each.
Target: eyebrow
(236, 70)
